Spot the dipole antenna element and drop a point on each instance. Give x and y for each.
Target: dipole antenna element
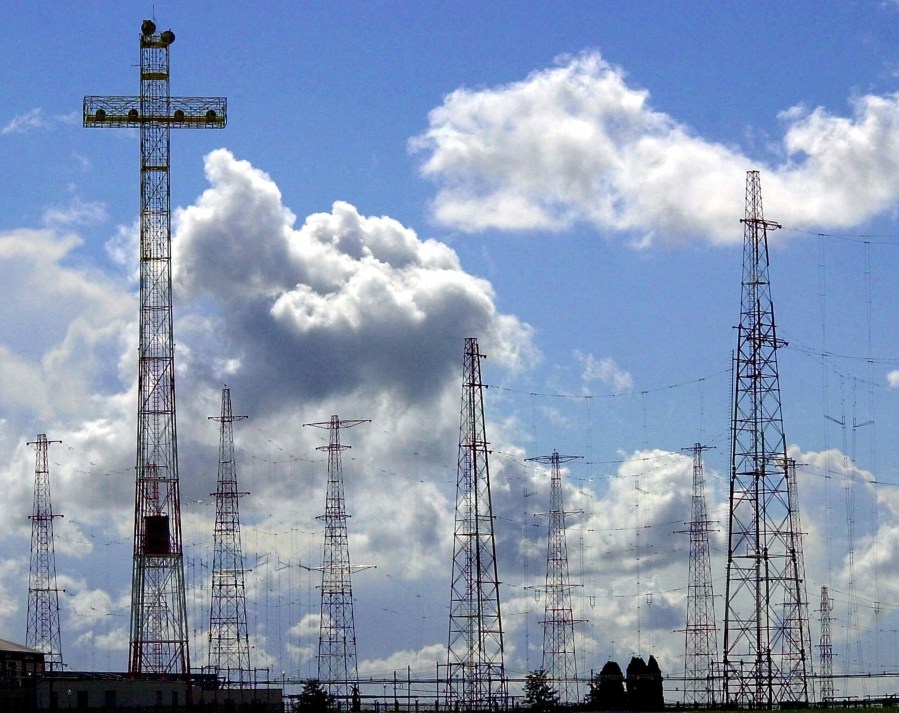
(475, 674)
(764, 663)
(701, 631)
(43, 595)
(337, 628)
(159, 633)
(559, 657)
(229, 644)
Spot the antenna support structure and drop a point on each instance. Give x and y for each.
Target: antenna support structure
(229, 643)
(765, 629)
(825, 647)
(43, 633)
(159, 642)
(337, 628)
(559, 657)
(475, 672)
(701, 632)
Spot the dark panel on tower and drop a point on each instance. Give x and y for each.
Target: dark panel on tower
(156, 535)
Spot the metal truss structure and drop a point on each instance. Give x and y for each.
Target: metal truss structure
(43, 633)
(765, 637)
(475, 673)
(337, 628)
(229, 644)
(559, 659)
(159, 633)
(701, 639)
(825, 648)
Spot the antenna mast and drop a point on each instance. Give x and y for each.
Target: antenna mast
(337, 628)
(476, 678)
(764, 630)
(159, 634)
(229, 643)
(43, 595)
(825, 648)
(701, 640)
(559, 659)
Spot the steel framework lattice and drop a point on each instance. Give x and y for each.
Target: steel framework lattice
(475, 674)
(825, 647)
(43, 632)
(559, 659)
(797, 629)
(701, 639)
(337, 628)
(159, 634)
(764, 631)
(229, 644)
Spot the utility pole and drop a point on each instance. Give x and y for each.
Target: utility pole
(43, 595)
(475, 676)
(229, 643)
(159, 634)
(701, 639)
(764, 643)
(559, 658)
(337, 629)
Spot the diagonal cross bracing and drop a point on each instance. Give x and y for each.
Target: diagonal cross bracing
(159, 632)
(765, 631)
(476, 678)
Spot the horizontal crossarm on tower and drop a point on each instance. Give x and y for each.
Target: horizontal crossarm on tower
(159, 641)
(176, 112)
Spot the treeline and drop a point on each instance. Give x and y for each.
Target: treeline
(639, 690)
(610, 689)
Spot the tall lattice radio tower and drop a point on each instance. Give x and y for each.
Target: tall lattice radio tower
(559, 658)
(159, 635)
(43, 595)
(337, 629)
(475, 674)
(825, 647)
(701, 639)
(229, 643)
(764, 643)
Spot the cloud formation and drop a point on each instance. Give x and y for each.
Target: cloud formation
(346, 314)
(344, 302)
(605, 371)
(31, 119)
(577, 144)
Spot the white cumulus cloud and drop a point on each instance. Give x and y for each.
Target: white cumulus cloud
(343, 302)
(578, 143)
(605, 371)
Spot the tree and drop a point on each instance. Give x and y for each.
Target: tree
(607, 689)
(314, 698)
(637, 685)
(656, 694)
(538, 693)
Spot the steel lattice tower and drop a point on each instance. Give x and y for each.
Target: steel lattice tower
(559, 660)
(797, 630)
(764, 655)
(701, 639)
(229, 643)
(475, 675)
(159, 635)
(43, 595)
(337, 628)
(825, 648)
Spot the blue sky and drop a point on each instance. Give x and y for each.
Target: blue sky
(563, 181)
